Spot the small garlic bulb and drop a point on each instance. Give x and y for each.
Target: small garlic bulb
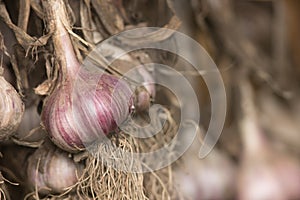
(11, 109)
(51, 170)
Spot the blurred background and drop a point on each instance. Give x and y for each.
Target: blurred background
(256, 47)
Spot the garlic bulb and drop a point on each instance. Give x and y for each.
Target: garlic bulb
(76, 117)
(11, 109)
(209, 178)
(85, 106)
(50, 170)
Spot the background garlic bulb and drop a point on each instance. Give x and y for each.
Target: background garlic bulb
(11, 109)
(50, 170)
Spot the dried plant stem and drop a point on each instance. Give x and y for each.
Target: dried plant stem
(24, 12)
(58, 24)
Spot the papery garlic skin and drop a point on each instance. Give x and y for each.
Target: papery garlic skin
(80, 112)
(11, 109)
(51, 171)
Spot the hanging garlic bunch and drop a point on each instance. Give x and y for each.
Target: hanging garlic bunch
(11, 109)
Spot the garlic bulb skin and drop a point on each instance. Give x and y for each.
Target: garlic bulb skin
(11, 109)
(50, 170)
(78, 114)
